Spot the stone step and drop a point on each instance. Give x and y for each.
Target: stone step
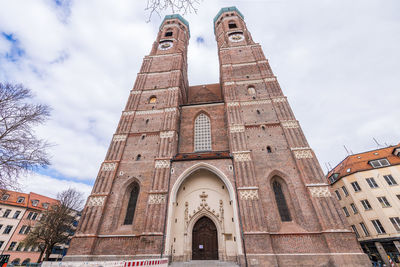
(204, 264)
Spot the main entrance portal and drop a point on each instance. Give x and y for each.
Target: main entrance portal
(205, 242)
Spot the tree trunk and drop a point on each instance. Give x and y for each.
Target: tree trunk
(40, 256)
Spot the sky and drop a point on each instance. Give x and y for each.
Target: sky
(337, 61)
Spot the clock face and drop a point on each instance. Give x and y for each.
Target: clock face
(165, 45)
(236, 37)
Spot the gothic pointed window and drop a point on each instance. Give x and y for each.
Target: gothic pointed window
(130, 210)
(281, 202)
(202, 133)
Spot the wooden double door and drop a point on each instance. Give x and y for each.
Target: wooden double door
(204, 240)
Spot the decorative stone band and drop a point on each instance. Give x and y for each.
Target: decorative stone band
(319, 190)
(236, 128)
(96, 201)
(242, 156)
(242, 64)
(248, 194)
(303, 154)
(157, 198)
(167, 134)
(279, 99)
(109, 166)
(272, 79)
(147, 112)
(119, 137)
(290, 124)
(233, 104)
(255, 102)
(153, 91)
(160, 164)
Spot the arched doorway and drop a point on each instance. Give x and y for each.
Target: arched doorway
(204, 240)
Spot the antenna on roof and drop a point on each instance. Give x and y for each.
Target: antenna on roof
(326, 166)
(329, 164)
(348, 153)
(377, 144)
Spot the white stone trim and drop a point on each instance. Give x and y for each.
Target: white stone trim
(157, 199)
(96, 201)
(237, 128)
(153, 91)
(119, 137)
(292, 124)
(248, 194)
(249, 81)
(233, 104)
(279, 99)
(109, 166)
(300, 148)
(302, 154)
(255, 102)
(127, 113)
(242, 156)
(239, 64)
(320, 191)
(164, 55)
(271, 79)
(167, 134)
(161, 164)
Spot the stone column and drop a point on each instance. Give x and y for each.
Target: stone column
(382, 253)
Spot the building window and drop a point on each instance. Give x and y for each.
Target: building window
(16, 214)
(153, 99)
(20, 200)
(130, 210)
(29, 215)
(346, 212)
(35, 202)
(22, 230)
(12, 245)
(364, 228)
(168, 34)
(390, 180)
(378, 227)
(232, 25)
(371, 182)
(251, 90)
(1, 244)
(339, 197)
(269, 150)
(346, 193)
(396, 223)
(45, 205)
(355, 231)
(19, 247)
(5, 197)
(7, 230)
(366, 204)
(202, 133)
(6, 213)
(28, 228)
(281, 202)
(26, 261)
(356, 187)
(384, 202)
(354, 208)
(379, 163)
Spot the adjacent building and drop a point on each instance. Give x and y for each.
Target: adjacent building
(367, 186)
(18, 213)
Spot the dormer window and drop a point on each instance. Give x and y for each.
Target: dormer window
(5, 197)
(45, 205)
(333, 177)
(379, 163)
(396, 152)
(20, 200)
(35, 202)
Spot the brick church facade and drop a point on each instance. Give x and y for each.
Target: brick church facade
(217, 171)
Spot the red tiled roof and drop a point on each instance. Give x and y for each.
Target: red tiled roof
(13, 196)
(360, 162)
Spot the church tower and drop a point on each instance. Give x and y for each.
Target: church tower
(212, 172)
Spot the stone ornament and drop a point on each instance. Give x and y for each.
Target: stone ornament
(279, 99)
(166, 134)
(128, 113)
(204, 206)
(290, 124)
(135, 92)
(249, 194)
(118, 138)
(320, 191)
(242, 156)
(96, 201)
(237, 129)
(270, 79)
(108, 166)
(160, 164)
(147, 112)
(233, 104)
(302, 154)
(156, 199)
(256, 102)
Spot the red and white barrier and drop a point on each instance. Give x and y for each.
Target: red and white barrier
(128, 263)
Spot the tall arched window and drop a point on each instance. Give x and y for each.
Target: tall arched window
(281, 202)
(202, 133)
(130, 210)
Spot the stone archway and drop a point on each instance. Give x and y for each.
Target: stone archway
(204, 240)
(202, 193)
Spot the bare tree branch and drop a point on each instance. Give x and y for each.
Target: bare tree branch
(177, 6)
(20, 150)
